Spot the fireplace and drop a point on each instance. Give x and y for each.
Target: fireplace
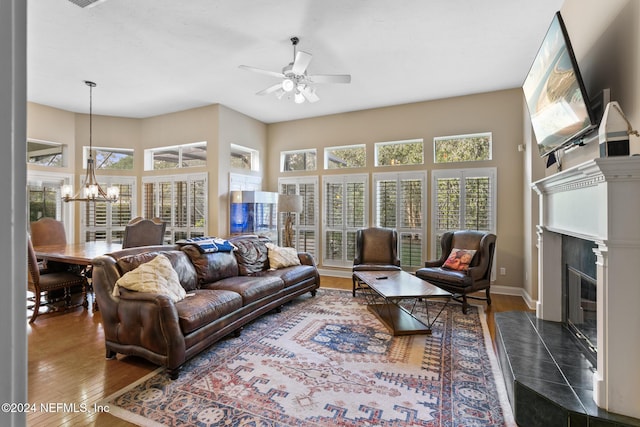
(580, 294)
(597, 202)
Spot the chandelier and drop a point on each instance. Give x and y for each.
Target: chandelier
(91, 191)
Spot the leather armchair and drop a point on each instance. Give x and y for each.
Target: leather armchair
(463, 282)
(376, 250)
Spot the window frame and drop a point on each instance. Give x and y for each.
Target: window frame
(109, 229)
(154, 209)
(462, 174)
(464, 136)
(85, 157)
(242, 182)
(402, 230)
(345, 229)
(66, 214)
(378, 145)
(344, 147)
(254, 156)
(63, 153)
(283, 162)
(149, 156)
(300, 229)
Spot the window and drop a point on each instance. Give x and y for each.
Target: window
(240, 182)
(352, 156)
(305, 227)
(180, 201)
(244, 158)
(399, 203)
(43, 198)
(462, 148)
(463, 199)
(45, 153)
(394, 153)
(109, 158)
(176, 156)
(345, 211)
(299, 160)
(106, 221)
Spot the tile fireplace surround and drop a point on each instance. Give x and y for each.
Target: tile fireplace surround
(599, 201)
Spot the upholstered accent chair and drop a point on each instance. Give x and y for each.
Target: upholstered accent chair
(42, 282)
(376, 250)
(143, 232)
(465, 281)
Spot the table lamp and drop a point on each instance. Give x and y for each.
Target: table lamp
(289, 204)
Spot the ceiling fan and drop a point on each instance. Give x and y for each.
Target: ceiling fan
(295, 80)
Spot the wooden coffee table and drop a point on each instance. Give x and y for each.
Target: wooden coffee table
(388, 288)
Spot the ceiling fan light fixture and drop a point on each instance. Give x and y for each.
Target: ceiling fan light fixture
(298, 98)
(288, 85)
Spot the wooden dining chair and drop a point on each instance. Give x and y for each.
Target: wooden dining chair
(143, 232)
(49, 231)
(43, 282)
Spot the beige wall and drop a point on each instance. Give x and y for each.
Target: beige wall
(606, 40)
(195, 125)
(605, 37)
(235, 128)
(497, 112)
(52, 125)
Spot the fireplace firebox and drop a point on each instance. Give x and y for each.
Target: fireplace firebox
(579, 294)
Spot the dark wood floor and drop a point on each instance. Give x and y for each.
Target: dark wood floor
(67, 363)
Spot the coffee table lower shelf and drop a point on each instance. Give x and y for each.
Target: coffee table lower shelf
(397, 320)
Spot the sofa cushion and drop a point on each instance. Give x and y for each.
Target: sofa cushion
(211, 266)
(202, 307)
(156, 276)
(280, 257)
(252, 255)
(179, 260)
(251, 288)
(291, 275)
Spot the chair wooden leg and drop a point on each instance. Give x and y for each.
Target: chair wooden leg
(36, 307)
(465, 305)
(354, 285)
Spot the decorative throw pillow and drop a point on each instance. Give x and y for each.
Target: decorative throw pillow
(156, 276)
(280, 257)
(251, 255)
(459, 259)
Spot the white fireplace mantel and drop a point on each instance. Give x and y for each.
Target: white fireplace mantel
(598, 201)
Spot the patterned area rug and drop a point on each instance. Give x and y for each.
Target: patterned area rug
(327, 361)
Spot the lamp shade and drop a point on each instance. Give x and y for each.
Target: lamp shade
(289, 203)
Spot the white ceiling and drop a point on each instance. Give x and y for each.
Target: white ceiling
(150, 57)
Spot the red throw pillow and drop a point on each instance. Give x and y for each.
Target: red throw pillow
(459, 259)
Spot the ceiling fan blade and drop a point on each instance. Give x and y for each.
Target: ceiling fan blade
(270, 89)
(310, 94)
(330, 78)
(261, 71)
(301, 63)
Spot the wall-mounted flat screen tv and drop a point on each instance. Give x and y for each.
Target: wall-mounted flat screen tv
(555, 93)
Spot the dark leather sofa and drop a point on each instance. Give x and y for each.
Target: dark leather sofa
(225, 291)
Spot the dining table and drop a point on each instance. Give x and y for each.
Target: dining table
(78, 254)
